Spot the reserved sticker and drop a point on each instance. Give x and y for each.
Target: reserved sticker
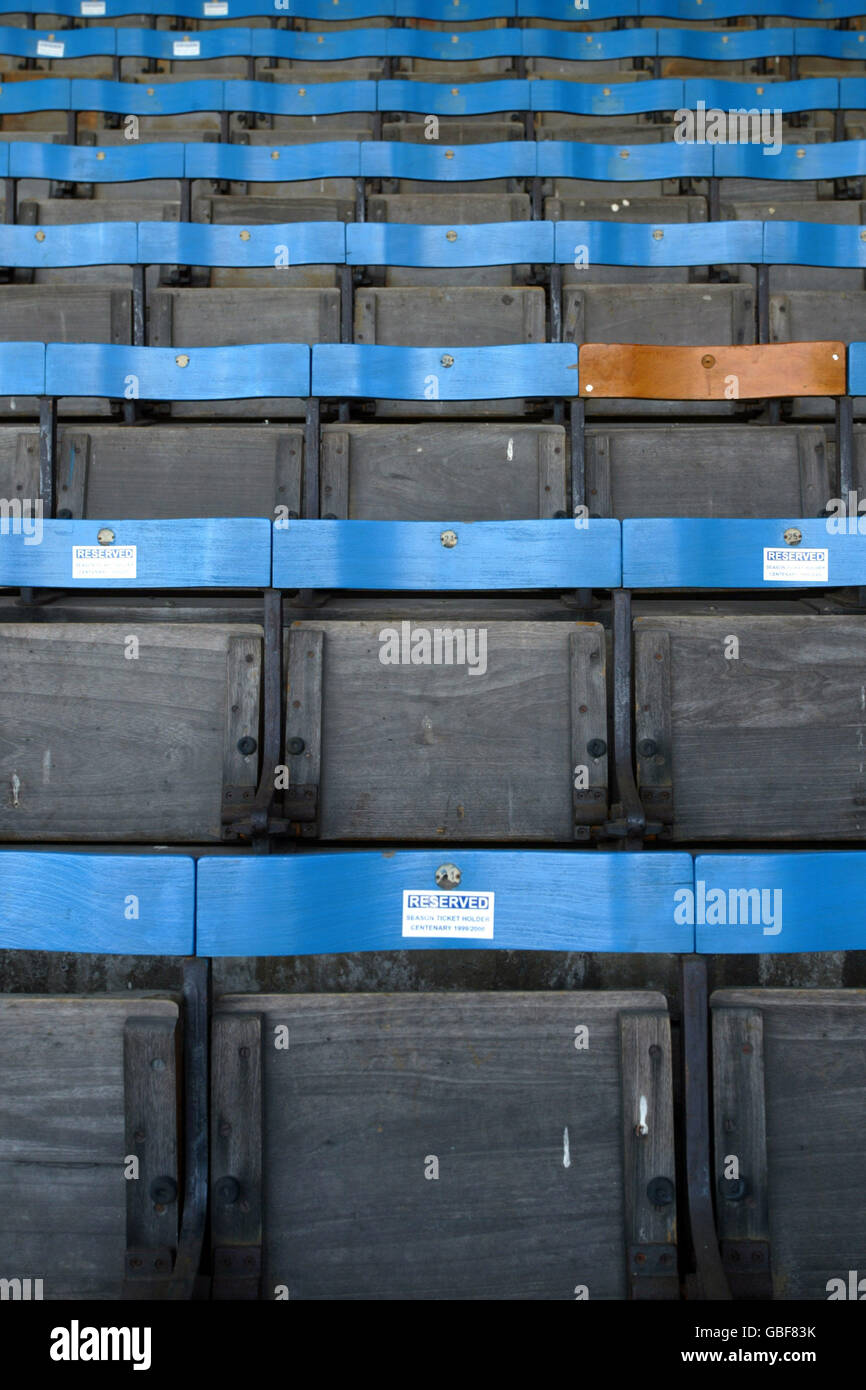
(92, 7)
(104, 561)
(800, 566)
(46, 49)
(214, 8)
(468, 915)
(186, 48)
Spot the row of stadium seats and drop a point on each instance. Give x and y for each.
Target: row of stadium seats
(443, 99)
(352, 45)
(579, 244)
(231, 905)
(428, 1146)
(443, 11)
(649, 553)
(648, 165)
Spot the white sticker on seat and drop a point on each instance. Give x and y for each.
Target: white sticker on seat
(104, 561)
(46, 49)
(186, 48)
(454, 914)
(801, 566)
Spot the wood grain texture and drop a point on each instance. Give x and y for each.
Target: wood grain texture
(690, 470)
(236, 1143)
(413, 555)
(105, 748)
(114, 904)
(320, 903)
(493, 1087)
(814, 1065)
(696, 374)
(818, 907)
(63, 1139)
(786, 716)
(150, 1109)
(648, 1151)
(739, 1120)
(227, 471)
(717, 553)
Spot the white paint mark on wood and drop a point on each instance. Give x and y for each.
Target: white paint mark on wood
(509, 452)
(566, 1151)
(46, 767)
(16, 787)
(642, 1126)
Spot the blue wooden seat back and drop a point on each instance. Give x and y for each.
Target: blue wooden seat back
(857, 369)
(84, 243)
(809, 94)
(270, 244)
(64, 43)
(264, 164)
(313, 99)
(81, 9)
(598, 99)
(624, 163)
(247, 371)
(577, 11)
(397, 159)
(441, 99)
(809, 901)
(736, 46)
(321, 904)
(32, 159)
(133, 98)
(649, 244)
(454, 11)
(701, 11)
(812, 243)
(844, 44)
(416, 555)
(339, 11)
(457, 47)
(111, 904)
(344, 370)
(589, 48)
(320, 48)
(175, 47)
(839, 159)
(740, 553)
(195, 553)
(22, 369)
(49, 94)
(486, 243)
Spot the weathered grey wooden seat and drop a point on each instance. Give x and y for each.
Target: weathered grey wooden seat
(662, 314)
(65, 314)
(423, 471)
(432, 208)
(103, 748)
(827, 211)
(727, 702)
(226, 208)
(804, 315)
(470, 1156)
(165, 470)
(86, 1084)
(435, 753)
(719, 470)
(468, 316)
(226, 317)
(675, 209)
(788, 1082)
(469, 132)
